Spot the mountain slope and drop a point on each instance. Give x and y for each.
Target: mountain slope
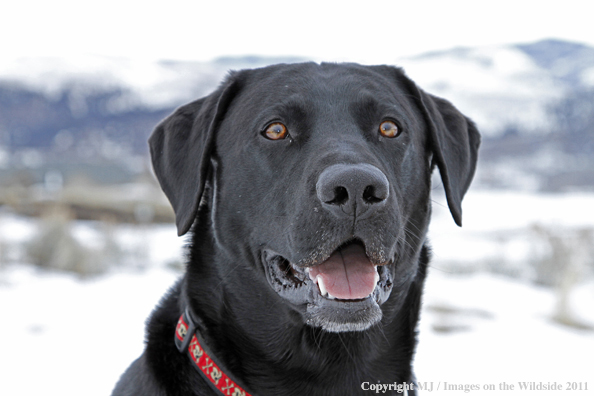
(97, 108)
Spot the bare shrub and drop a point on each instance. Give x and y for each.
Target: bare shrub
(54, 246)
(567, 256)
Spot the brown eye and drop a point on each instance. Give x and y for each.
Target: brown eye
(389, 129)
(276, 131)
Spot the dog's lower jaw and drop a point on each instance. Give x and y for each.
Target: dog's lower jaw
(358, 319)
(334, 327)
(337, 316)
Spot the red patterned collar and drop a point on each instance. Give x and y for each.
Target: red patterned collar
(188, 339)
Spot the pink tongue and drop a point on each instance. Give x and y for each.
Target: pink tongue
(347, 274)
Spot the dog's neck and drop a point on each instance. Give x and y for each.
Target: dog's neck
(298, 353)
(273, 343)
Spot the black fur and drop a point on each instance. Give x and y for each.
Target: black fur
(252, 205)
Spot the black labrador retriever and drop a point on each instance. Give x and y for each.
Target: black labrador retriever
(306, 188)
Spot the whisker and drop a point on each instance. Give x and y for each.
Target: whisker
(412, 234)
(345, 348)
(413, 224)
(439, 204)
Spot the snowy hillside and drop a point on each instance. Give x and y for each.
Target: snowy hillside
(147, 85)
(496, 86)
(506, 85)
(532, 103)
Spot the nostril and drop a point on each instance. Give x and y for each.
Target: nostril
(341, 196)
(370, 196)
(352, 190)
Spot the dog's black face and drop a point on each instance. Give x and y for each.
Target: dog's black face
(325, 170)
(320, 181)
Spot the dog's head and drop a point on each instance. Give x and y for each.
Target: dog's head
(320, 181)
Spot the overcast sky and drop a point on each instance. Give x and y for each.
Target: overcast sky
(368, 31)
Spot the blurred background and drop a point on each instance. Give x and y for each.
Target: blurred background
(87, 241)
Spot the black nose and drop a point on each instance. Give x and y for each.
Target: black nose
(352, 190)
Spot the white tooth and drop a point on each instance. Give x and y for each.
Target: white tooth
(321, 285)
(377, 277)
(331, 297)
(308, 270)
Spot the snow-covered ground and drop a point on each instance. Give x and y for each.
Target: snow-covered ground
(486, 329)
(66, 335)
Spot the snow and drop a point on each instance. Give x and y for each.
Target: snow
(65, 336)
(496, 86)
(68, 335)
(502, 225)
(507, 334)
(144, 84)
(588, 77)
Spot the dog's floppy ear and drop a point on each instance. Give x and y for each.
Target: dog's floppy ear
(454, 140)
(180, 149)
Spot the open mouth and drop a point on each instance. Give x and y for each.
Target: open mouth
(347, 284)
(346, 275)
